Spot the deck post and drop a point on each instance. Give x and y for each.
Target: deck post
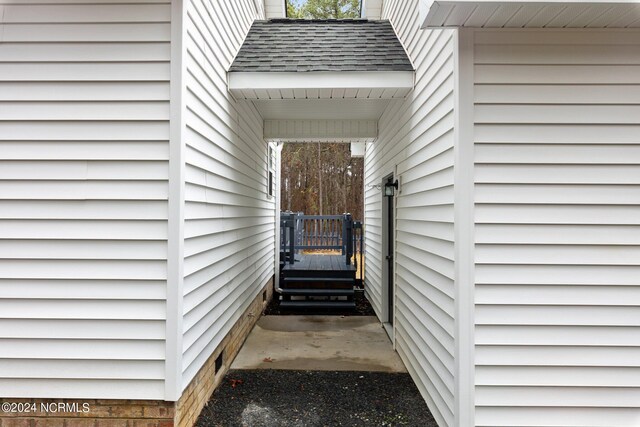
(292, 238)
(357, 247)
(299, 227)
(348, 237)
(344, 234)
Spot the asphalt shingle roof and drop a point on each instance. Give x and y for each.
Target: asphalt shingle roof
(299, 45)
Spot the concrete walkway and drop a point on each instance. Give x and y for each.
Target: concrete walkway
(317, 371)
(319, 343)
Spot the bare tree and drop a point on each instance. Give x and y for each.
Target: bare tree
(322, 179)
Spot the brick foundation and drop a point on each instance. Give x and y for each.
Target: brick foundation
(148, 413)
(207, 379)
(102, 413)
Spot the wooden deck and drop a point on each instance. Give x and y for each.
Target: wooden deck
(320, 263)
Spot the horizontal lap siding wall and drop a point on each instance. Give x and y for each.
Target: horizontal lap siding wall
(416, 136)
(84, 110)
(229, 220)
(557, 132)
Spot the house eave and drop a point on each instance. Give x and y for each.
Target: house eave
(320, 130)
(321, 84)
(530, 14)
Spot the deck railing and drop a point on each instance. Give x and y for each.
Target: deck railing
(299, 232)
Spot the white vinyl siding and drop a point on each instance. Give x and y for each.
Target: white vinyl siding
(372, 8)
(274, 8)
(557, 153)
(229, 218)
(416, 139)
(84, 129)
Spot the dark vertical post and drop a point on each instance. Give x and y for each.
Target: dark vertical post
(299, 230)
(361, 255)
(349, 237)
(357, 250)
(354, 244)
(292, 238)
(362, 248)
(344, 234)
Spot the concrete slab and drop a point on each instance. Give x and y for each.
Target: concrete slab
(320, 343)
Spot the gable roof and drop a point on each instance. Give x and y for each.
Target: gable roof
(299, 45)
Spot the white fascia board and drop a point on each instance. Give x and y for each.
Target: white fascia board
(321, 80)
(324, 140)
(434, 12)
(343, 130)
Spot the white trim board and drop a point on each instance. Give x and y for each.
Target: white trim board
(530, 14)
(371, 9)
(175, 261)
(321, 84)
(298, 130)
(464, 227)
(321, 109)
(275, 9)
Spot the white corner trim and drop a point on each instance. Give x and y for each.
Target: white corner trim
(357, 149)
(464, 226)
(426, 9)
(278, 146)
(321, 80)
(175, 258)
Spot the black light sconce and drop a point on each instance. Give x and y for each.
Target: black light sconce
(390, 188)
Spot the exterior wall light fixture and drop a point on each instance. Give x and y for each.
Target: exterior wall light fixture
(390, 188)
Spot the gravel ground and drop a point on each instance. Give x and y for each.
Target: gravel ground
(279, 398)
(363, 308)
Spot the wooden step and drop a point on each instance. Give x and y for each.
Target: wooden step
(318, 304)
(318, 292)
(335, 274)
(316, 283)
(319, 279)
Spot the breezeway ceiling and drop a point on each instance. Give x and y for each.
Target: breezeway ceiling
(324, 109)
(321, 120)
